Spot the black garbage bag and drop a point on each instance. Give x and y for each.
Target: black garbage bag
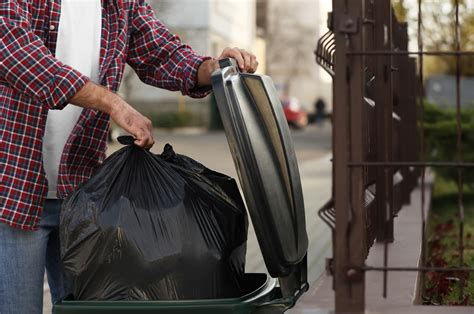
(154, 227)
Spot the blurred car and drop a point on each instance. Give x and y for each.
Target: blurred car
(294, 112)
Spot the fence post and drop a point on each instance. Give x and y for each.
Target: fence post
(348, 119)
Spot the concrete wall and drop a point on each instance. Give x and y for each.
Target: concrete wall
(232, 23)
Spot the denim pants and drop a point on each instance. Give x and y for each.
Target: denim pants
(24, 256)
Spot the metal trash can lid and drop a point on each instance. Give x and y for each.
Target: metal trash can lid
(263, 153)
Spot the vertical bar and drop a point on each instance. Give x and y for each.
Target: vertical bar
(413, 151)
(459, 150)
(384, 110)
(350, 214)
(398, 124)
(365, 131)
(369, 117)
(406, 112)
(388, 151)
(422, 138)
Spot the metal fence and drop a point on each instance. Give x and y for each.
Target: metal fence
(378, 141)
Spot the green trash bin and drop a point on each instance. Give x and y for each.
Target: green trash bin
(262, 291)
(263, 152)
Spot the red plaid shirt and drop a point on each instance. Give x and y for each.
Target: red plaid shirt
(32, 82)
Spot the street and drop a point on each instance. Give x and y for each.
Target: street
(313, 148)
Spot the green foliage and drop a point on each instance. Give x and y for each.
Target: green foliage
(440, 127)
(172, 120)
(443, 238)
(401, 10)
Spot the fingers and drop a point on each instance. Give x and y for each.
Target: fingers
(145, 142)
(144, 135)
(235, 54)
(246, 56)
(134, 123)
(253, 64)
(246, 61)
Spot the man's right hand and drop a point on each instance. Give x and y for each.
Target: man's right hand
(97, 97)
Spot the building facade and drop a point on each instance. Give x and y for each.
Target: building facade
(208, 26)
(292, 29)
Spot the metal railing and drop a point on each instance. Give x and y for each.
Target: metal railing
(378, 142)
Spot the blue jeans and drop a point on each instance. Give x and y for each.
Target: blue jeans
(24, 256)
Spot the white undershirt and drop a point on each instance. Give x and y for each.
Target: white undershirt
(78, 45)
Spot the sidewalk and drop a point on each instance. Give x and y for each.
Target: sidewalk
(401, 289)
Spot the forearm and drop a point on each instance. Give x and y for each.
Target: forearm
(96, 97)
(93, 96)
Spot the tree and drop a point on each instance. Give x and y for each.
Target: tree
(439, 32)
(400, 10)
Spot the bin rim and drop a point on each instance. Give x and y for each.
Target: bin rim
(268, 285)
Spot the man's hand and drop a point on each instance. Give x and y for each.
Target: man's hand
(97, 97)
(134, 123)
(246, 61)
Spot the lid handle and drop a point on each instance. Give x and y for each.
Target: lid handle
(228, 62)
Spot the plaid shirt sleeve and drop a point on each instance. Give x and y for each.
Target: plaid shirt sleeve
(160, 58)
(28, 66)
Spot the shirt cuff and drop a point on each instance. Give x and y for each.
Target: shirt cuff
(193, 64)
(64, 84)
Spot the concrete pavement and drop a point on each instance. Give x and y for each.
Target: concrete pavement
(312, 148)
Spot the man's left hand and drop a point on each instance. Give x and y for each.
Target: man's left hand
(246, 61)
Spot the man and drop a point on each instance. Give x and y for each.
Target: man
(55, 53)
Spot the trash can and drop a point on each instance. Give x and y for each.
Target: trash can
(264, 156)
